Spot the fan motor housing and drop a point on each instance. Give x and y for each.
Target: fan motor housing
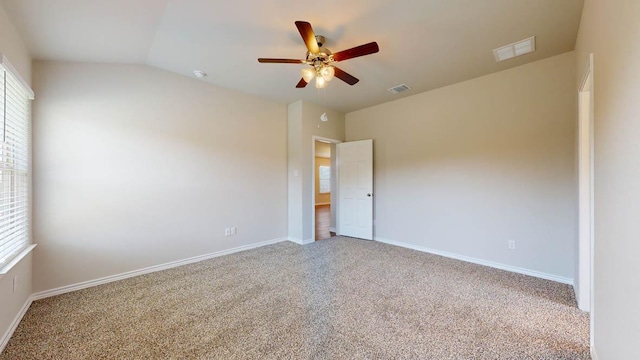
(323, 55)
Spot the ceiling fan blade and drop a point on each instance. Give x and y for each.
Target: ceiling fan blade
(344, 76)
(301, 84)
(279, 61)
(366, 49)
(308, 36)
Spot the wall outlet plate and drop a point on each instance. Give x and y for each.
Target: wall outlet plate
(512, 245)
(233, 230)
(227, 231)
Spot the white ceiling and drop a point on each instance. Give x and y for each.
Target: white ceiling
(424, 43)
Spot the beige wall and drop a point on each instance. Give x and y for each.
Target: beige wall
(609, 29)
(12, 46)
(323, 149)
(324, 198)
(465, 168)
(137, 167)
(303, 121)
(294, 173)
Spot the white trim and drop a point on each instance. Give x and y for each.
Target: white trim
(592, 251)
(14, 324)
(301, 242)
(295, 240)
(313, 185)
(587, 87)
(151, 269)
(326, 140)
(9, 68)
(324, 203)
(4, 270)
(594, 354)
(518, 270)
(585, 189)
(332, 229)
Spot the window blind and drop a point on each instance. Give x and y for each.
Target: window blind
(15, 115)
(325, 179)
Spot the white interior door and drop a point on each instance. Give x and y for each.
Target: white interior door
(355, 189)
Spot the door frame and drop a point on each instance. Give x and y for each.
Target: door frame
(586, 235)
(313, 181)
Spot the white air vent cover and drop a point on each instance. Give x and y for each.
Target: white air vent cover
(400, 88)
(516, 49)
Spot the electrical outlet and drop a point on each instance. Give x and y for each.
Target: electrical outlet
(227, 231)
(512, 244)
(15, 284)
(233, 230)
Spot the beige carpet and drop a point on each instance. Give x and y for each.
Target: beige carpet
(333, 299)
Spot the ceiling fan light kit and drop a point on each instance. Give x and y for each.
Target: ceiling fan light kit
(320, 82)
(308, 74)
(321, 60)
(322, 73)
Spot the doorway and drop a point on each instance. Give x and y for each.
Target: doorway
(324, 199)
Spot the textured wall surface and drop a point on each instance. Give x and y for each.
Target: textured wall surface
(466, 168)
(136, 167)
(609, 29)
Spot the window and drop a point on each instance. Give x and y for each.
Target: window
(325, 179)
(15, 114)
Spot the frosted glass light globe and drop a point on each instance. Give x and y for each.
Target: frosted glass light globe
(320, 82)
(308, 74)
(328, 72)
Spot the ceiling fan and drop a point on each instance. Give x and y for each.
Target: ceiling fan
(321, 59)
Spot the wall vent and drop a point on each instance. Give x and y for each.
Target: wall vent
(399, 88)
(516, 49)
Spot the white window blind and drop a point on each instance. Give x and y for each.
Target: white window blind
(15, 115)
(325, 179)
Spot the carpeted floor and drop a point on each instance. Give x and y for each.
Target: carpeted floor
(333, 299)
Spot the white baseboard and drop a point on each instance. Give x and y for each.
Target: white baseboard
(14, 324)
(495, 265)
(169, 265)
(300, 241)
(295, 240)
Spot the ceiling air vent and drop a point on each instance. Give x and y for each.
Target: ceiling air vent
(516, 49)
(398, 89)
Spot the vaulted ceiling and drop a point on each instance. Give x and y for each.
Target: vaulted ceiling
(424, 43)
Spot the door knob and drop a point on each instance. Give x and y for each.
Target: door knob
(369, 195)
